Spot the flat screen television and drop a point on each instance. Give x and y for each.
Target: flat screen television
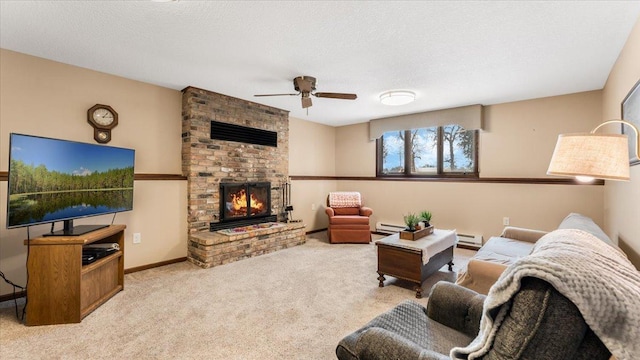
(54, 180)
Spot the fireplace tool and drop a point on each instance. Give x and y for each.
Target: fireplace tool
(288, 208)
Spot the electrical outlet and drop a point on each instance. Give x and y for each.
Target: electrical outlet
(505, 221)
(137, 238)
(313, 207)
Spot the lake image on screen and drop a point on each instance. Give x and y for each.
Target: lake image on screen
(52, 180)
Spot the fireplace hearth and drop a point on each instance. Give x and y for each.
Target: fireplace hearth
(244, 204)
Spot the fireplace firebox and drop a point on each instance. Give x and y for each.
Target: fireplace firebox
(244, 204)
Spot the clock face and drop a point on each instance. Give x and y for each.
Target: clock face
(103, 116)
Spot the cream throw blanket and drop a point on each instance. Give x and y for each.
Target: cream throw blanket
(596, 277)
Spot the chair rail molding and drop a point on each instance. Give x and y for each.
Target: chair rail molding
(496, 180)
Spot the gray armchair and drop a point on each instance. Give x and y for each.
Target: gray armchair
(541, 324)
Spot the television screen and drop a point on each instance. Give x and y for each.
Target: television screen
(58, 180)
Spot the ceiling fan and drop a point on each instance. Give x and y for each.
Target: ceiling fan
(306, 86)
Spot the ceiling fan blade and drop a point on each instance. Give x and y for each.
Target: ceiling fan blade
(336, 95)
(306, 102)
(277, 94)
(303, 84)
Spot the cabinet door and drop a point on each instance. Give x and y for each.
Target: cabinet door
(54, 284)
(100, 283)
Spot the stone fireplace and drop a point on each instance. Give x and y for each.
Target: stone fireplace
(238, 146)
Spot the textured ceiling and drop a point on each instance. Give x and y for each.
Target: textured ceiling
(450, 53)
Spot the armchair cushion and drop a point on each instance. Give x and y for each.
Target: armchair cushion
(341, 199)
(456, 307)
(381, 344)
(409, 331)
(361, 211)
(349, 220)
(346, 211)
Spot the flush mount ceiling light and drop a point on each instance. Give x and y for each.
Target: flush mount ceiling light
(397, 97)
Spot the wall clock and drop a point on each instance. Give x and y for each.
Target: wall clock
(103, 118)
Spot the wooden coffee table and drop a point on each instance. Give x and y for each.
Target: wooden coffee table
(415, 260)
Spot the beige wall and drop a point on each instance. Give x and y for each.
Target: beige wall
(308, 199)
(518, 142)
(312, 152)
(355, 153)
(46, 98)
(478, 208)
(622, 199)
(519, 137)
(312, 149)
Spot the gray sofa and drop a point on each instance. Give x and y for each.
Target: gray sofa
(485, 267)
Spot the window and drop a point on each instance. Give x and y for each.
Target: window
(441, 151)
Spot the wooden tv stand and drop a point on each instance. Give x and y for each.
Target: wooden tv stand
(60, 289)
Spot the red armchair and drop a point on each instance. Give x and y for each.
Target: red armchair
(348, 219)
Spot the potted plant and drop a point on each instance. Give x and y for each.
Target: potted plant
(425, 216)
(413, 230)
(411, 220)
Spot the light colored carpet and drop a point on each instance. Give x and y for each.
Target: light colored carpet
(291, 304)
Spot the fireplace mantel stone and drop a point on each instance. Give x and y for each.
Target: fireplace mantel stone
(208, 249)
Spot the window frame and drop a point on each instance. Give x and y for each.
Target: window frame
(440, 165)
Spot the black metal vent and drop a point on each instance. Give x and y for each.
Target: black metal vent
(247, 135)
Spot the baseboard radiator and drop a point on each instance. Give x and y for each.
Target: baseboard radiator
(388, 228)
(470, 241)
(464, 240)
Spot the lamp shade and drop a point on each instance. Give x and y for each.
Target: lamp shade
(602, 156)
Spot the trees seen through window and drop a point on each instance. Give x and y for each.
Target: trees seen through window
(437, 151)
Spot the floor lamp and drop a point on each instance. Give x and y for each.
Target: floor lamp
(589, 156)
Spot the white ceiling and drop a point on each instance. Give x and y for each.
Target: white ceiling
(450, 53)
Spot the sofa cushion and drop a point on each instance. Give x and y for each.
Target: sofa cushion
(489, 262)
(584, 223)
(503, 250)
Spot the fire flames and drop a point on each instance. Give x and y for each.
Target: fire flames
(239, 203)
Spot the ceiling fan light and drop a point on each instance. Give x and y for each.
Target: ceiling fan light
(397, 97)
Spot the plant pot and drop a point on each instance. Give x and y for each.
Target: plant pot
(415, 235)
